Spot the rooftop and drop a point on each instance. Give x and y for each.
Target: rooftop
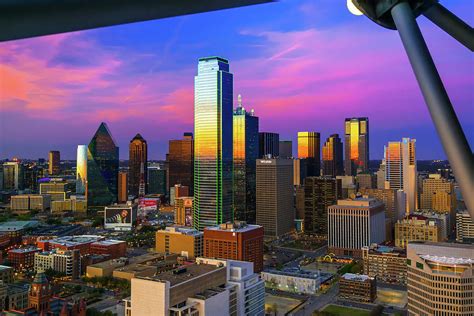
(108, 242)
(356, 277)
(24, 250)
(184, 273)
(238, 227)
(70, 241)
(295, 272)
(360, 202)
(180, 230)
(448, 260)
(17, 225)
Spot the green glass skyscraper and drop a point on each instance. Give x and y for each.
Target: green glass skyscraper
(102, 168)
(213, 95)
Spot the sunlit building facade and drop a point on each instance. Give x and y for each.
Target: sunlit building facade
(400, 170)
(309, 149)
(102, 168)
(137, 164)
(180, 160)
(213, 95)
(245, 156)
(332, 156)
(54, 167)
(81, 170)
(356, 145)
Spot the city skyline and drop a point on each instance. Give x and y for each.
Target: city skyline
(135, 84)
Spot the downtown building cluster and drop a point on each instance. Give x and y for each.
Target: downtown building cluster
(231, 187)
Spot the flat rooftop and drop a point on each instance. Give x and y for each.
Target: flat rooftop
(17, 225)
(24, 250)
(181, 230)
(188, 272)
(108, 242)
(358, 202)
(236, 228)
(295, 272)
(70, 241)
(448, 260)
(114, 263)
(356, 277)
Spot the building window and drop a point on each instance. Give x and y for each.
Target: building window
(409, 262)
(419, 265)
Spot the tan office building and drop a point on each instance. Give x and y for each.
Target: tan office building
(275, 206)
(184, 211)
(388, 264)
(417, 228)
(184, 241)
(432, 186)
(440, 279)
(357, 287)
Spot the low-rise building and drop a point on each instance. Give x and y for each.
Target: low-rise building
(111, 247)
(184, 241)
(388, 264)
(22, 259)
(63, 261)
(74, 204)
(235, 241)
(6, 274)
(417, 228)
(358, 287)
(13, 296)
(30, 202)
(293, 280)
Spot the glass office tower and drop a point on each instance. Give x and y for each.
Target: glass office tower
(245, 156)
(356, 132)
(81, 170)
(309, 149)
(102, 168)
(332, 156)
(137, 165)
(180, 162)
(213, 95)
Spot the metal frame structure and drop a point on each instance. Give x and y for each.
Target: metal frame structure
(401, 15)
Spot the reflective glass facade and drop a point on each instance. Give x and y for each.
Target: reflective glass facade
(245, 156)
(309, 149)
(269, 145)
(102, 168)
(213, 95)
(81, 170)
(180, 161)
(332, 156)
(356, 132)
(137, 164)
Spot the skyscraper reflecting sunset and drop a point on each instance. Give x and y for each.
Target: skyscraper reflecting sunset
(309, 149)
(332, 156)
(213, 95)
(81, 170)
(357, 145)
(401, 173)
(245, 155)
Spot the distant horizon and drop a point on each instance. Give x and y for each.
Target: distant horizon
(302, 66)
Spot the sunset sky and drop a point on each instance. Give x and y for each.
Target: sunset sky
(303, 65)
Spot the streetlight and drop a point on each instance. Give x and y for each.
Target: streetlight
(401, 15)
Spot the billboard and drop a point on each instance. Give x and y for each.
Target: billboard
(147, 205)
(119, 216)
(188, 212)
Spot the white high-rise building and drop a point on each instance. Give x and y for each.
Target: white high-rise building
(401, 173)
